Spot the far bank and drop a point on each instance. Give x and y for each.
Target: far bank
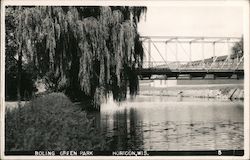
(219, 89)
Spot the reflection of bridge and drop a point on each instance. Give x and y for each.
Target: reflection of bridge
(226, 66)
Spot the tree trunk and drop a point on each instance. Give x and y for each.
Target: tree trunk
(19, 76)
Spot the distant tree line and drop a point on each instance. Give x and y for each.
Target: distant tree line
(238, 49)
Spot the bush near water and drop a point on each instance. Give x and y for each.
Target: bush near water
(50, 122)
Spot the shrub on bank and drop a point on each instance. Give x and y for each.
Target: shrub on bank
(50, 122)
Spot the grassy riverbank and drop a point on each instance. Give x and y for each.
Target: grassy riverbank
(50, 122)
(225, 91)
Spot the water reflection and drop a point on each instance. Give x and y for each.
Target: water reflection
(157, 123)
(124, 128)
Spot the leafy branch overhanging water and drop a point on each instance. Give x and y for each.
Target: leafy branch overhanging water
(86, 52)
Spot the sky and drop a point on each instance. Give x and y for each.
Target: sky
(192, 21)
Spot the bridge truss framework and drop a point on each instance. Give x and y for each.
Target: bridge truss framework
(215, 65)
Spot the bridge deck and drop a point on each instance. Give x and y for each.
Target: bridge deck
(148, 72)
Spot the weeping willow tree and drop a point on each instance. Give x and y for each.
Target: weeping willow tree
(86, 52)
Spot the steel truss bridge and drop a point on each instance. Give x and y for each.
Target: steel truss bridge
(224, 66)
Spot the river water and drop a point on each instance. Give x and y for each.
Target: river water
(164, 123)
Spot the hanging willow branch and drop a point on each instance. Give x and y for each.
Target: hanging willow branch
(92, 49)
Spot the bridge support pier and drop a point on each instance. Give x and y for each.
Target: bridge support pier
(190, 76)
(214, 76)
(237, 76)
(177, 76)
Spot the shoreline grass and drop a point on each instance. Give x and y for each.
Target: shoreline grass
(50, 122)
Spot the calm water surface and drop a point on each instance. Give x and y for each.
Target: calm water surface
(164, 123)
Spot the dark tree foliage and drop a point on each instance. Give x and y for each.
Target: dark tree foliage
(237, 49)
(11, 64)
(86, 52)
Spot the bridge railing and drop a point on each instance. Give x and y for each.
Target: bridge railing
(194, 65)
